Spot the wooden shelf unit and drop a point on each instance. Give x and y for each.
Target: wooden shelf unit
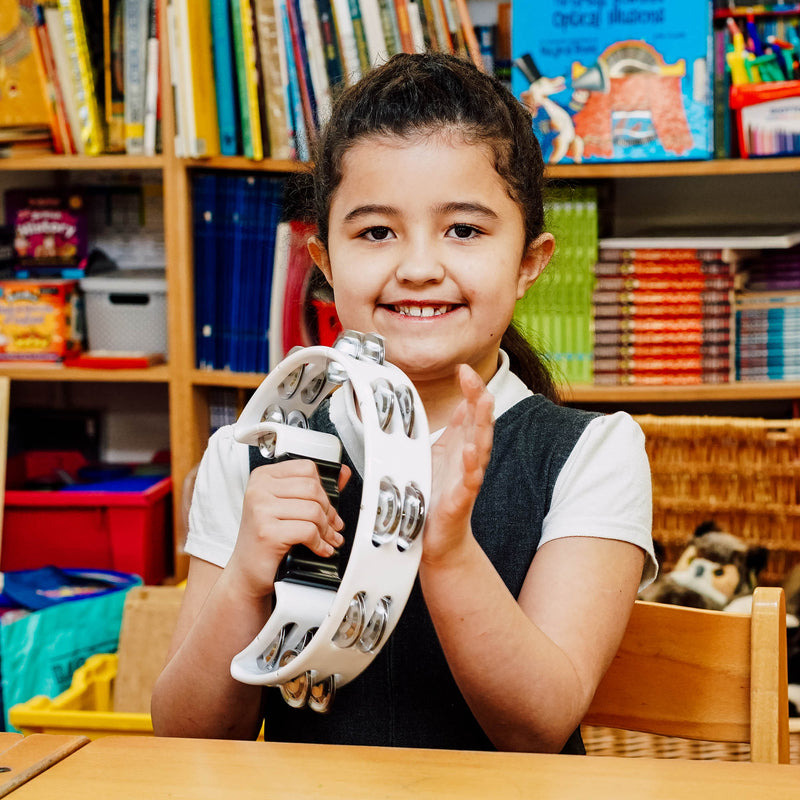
(188, 387)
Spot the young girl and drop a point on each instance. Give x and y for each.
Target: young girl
(428, 202)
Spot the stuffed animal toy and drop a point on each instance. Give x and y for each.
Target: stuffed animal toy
(716, 569)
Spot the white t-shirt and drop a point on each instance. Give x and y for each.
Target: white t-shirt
(591, 478)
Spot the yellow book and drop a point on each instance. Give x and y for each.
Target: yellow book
(82, 77)
(206, 126)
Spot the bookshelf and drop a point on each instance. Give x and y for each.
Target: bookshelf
(189, 388)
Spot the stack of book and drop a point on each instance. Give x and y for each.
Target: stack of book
(85, 76)
(235, 220)
(256, 77)
(555, 314)
(768, 318)
(662, 316)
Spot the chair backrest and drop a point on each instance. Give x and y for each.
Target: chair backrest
(706, 675)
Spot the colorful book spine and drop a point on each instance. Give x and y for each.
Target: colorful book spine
(373, 30)
(113, 86)
(334, 63)
(404, 26)
(201, 69)
(82, 78)
(269, 34)
(247, 79)
(225, 78)
(347, 40)
(296, 102)
(152, 82)
(360, 34)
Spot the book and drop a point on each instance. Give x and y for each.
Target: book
(56, 36)
(174, 48)
(152, 82)
(225, 78)
(269, 35)
(347, 40)
(334, 63)
(136, 24)
(616, 82)
(24, 101)
(248, 80)
(113, 74)
(377, 51)
(61, 131)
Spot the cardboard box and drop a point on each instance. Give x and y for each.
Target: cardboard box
(616, 81)
(40, 320)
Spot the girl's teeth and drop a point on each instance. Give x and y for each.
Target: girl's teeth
(422, 311)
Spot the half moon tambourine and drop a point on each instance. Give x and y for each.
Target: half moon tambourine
(331, 620)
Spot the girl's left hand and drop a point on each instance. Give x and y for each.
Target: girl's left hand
(459, 460)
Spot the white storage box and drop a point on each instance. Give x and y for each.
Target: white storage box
(126, 311)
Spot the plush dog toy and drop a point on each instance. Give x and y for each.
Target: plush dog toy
(716, 569)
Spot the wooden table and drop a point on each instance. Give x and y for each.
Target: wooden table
(23, 758)
(133, 768)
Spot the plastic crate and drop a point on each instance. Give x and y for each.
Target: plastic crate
(122, 525)
(126, 311)
(84, 708)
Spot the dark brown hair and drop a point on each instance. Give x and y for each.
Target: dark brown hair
(425, 93)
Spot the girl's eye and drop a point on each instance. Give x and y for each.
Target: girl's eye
(377, 234)
(461, 231)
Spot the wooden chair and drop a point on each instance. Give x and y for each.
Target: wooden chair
(710, 675)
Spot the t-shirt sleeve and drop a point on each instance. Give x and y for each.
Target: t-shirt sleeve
(216, 508)
(605, 490)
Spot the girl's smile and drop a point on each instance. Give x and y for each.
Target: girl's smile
(427, 248)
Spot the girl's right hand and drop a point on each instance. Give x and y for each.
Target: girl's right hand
(284, 505)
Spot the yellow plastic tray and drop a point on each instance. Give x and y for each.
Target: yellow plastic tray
(84, 708)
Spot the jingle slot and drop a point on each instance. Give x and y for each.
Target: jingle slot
(295, 691)
(321, 695)
(274, 413)
(311, 391)
(266, 444)
(388, 514)
(352, 623)
(376, 627)
(349, 343)
(297, 419)
(288, 386)
(269, 658)
(413, 516)
(405, 402)
(383, 394)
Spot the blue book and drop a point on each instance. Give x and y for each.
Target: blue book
(205, 232)
(225, 78)
(616, 81)
(296, 101)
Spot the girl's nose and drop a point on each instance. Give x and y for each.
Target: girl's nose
(420, 264)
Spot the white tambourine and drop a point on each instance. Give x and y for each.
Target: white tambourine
(330, 622)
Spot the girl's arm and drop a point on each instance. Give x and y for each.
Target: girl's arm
(224, 609)
(528, 669)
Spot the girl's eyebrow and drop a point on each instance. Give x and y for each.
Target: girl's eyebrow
(454, 207)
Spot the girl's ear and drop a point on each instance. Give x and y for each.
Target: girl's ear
(319, 255)
(534, 260)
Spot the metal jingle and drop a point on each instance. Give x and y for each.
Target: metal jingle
(311, 391)
(274, 413)
(384, 401)
(321, 695)
(295, 691)
(296, 419)
(336, 373)
(373, 348)
(269, 658)
(413, 518)
(388, 514)
(349, 342)
(372, 636)
(288, 386)
(352, 623)
(405, 402)
(266, 444)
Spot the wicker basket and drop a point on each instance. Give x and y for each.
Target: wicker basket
(744, 473)
(600, 741)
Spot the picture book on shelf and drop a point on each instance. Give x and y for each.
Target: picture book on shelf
(625, 80)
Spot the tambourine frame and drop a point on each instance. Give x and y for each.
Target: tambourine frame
(314, 624)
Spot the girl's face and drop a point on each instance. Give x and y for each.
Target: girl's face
(426, 248)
